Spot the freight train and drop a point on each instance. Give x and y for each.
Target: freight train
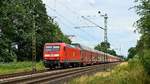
(66, 55)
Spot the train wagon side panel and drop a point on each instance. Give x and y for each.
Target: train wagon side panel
(84, 57)
(71, 55)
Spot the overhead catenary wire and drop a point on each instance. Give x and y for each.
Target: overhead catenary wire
(71, 29)
(69, 21)
(74, 12)
(91, 37)
(60, 15)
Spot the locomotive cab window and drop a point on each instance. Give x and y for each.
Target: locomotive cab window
(52, 48)
(48, 48)
(56, 48)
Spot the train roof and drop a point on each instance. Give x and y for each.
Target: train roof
(113, 56)
(54, 43)
(82, 47)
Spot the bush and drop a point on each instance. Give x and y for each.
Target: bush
(146, 60)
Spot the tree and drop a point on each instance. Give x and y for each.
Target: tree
(7, 32)
(112, 52)
(16, 25)
(105, 47)
(143, 26)
(132, 52)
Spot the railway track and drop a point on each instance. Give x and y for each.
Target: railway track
(20, 74)
(54, 77)
(25, 73)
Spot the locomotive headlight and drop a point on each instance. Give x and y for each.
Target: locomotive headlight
(56, 55)
(51, 55)
(47, 55)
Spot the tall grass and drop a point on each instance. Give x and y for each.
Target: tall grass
(15, 67)
(131, 72)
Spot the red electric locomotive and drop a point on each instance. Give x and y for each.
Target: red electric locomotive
(60, 54)
(64, 55)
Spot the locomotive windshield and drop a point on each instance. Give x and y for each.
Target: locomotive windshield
(52, 48)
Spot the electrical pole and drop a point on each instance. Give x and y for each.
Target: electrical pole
(105, 28)
(105, 37)
(34, 47)
(33, 36)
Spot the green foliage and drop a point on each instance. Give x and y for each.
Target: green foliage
(132, 52)
(105, 47)
(112, 52)
(16, 25)
(146, 60)
(6, 53)
(143, 26)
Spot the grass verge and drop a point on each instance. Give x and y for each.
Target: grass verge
(131, 72)
(16, 67)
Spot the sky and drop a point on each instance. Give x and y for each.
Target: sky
(68, 14)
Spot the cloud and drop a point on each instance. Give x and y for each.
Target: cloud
(92, 2)
(69, 0)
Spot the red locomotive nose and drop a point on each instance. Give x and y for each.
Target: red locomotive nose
(51, 56)
(52, 52)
